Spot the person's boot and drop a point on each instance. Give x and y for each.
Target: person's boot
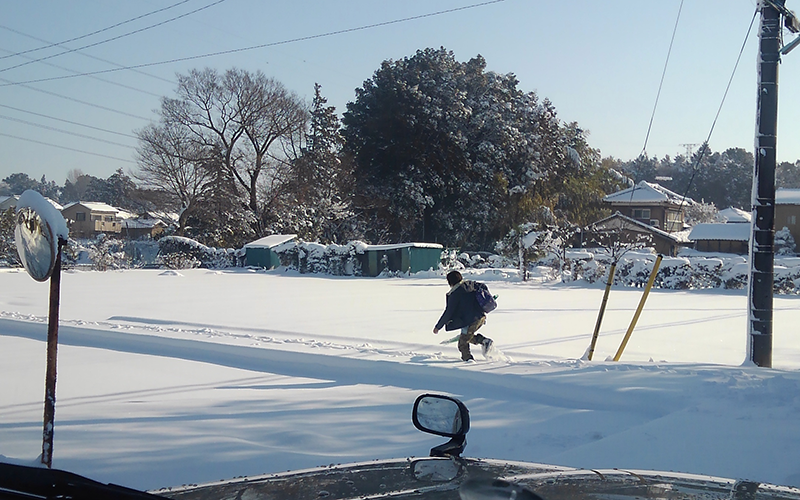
(486, 345)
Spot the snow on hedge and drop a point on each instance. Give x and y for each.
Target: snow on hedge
(690, 270)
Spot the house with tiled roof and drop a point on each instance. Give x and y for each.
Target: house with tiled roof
(628, 230)
(734, 215)
(86, 219)
(651, 204)
(726, 237)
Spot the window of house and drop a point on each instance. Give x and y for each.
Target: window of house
(109, 218)
(674, 220)
(97, 217)
(80, 216)
(792, 220)
(641, 213)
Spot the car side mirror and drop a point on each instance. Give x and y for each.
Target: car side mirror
(443, 416)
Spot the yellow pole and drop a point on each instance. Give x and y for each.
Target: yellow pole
(602, 309)
(639, 309)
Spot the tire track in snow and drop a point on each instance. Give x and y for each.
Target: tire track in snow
(551, 383)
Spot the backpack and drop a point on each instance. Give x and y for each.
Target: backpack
(485, 298)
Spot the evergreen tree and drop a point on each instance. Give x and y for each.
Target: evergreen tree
(8, 248)
(318, 206)
(787, 175)
(121, 191)
(48, 189)
(219, 217)
(447, 152)
(643, 168)
(18, 183)
(723, 179)
(580, 194)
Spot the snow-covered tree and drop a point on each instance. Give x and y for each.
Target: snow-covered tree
(170, 160)
(787, 175)
(724, 179)
(317, 194)
(784, 242)
(448, 152)
(8, 248)
(698, 213)
(19, 182)
(579, 195)
(249, 118)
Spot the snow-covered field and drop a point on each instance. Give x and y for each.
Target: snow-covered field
(168, 378)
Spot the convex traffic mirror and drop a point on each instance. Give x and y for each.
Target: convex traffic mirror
(39, 228)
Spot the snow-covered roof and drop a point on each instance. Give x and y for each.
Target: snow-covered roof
(734, 215)
(167, 217)
(141, 223)
(8, 201)
(55, 204)
(124, 214)
(94, 206)
(270, 241)
(403, 245)
(647, 193)
(723, 232)
(785, 196)
(623, 220)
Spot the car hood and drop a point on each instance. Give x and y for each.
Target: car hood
(478, 479)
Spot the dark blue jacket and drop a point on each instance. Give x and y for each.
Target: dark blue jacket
(462, 307)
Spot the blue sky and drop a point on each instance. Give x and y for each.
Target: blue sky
(599, 62)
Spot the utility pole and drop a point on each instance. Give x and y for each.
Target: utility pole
(762, 256)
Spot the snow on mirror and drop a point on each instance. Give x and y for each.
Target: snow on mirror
(439, 415)
(36, 244)
(40, 227)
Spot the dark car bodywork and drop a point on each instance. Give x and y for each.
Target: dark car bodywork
(454, 478)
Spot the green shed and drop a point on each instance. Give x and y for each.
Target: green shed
(259, 253)
(403, 257)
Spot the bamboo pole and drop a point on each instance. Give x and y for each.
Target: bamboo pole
(611, 272)
(639, 309)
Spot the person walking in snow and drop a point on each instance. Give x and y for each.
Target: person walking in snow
(463, 312)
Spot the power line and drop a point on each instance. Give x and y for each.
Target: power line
(65, 147)
(67, 121)
(90, 56)
(265, 45)
(114, 38)
(54, 44)
(24, 84)
(704, 148)
(60, 96)
(661, 84)
(117, 84)
(18, 120)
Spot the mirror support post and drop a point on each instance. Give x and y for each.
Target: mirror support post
(52, 351)
(452, 448)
